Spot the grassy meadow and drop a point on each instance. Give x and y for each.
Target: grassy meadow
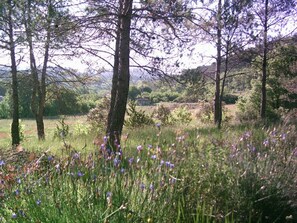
(175, 173)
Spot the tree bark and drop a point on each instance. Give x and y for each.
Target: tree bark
(15, 132)
(264, 65)
(217, 104)
(121, 76)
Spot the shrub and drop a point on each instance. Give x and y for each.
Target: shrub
(137, 118)
(97, 117)
(182, 115)
(163, 114)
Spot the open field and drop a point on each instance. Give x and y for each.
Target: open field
(176, 173)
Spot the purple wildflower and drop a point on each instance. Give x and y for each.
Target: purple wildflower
(131, 160)
(142, 186)
(38, 202)
(79, 174)
(50, 158)
(152, 187)
(17, 192)
(266, 142)
(18, 180)
(14, 215)
(154, 157)
(2, 163)
(139, 148)
(116, 162)
(76, 156)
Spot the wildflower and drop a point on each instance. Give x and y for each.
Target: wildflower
(172, 180)
(76, 156)
(283, 136)
(142, 186)
(122, 170)
(158, 125)
(105, 139)
(17, 192)
(50, 158)
(161, 162)
(79, 174)
(108, 194)
(152, 187)
(139, 148)
(266, 142)
(38, 202)
(149, 146)
(131, 160)
(116, 162)
(2, 163)
(14, 215)
(18, 180)
(154, 157)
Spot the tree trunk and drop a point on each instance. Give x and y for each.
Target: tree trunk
(15, 133)
(264, 65)
(217, 104)
(121, 76)
(39, 87)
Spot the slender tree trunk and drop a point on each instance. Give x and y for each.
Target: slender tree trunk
(15, 133)
(217, 104)
(39, 86)
(121, 76)
(264, 65)
(223, 83)
(114, 89)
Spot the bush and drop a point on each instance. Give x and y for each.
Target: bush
(97, 117)
(163, 115)
(182, 115)
(5, 110)
(230, 99)
(137, 118)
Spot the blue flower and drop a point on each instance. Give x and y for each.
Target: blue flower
(38, 202)
(108, 194)
(116, 162)
(142, 186)
(154, 157)
(18, 180)
(14, 215)
(79, 174)
(2, 163)
(17, 192)
(50, 158)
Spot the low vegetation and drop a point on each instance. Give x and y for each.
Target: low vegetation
(161, 173)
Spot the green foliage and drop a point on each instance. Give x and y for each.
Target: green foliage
(137, 118)
(97, 117)
(62, 129)
(5, 109)
(205, 113)
(163, 115)
(134, 92)
(230, 98)
(182, 115)
(249, 104)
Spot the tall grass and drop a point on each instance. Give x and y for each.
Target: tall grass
(161, 174)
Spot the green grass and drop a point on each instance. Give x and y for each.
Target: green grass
(172, 174)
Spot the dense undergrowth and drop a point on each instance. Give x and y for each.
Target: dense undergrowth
(159, 175)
